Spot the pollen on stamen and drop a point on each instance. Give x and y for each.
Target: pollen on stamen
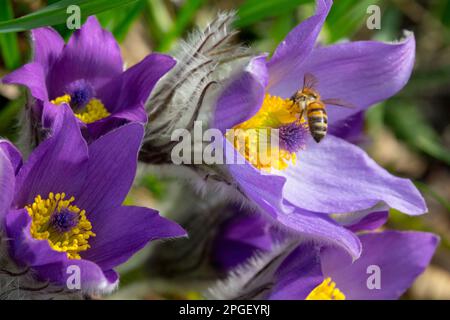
(94, 111)
(275, 113)
(327, 290)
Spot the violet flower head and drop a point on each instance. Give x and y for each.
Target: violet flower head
(298, 270)
(390, 262)
(310, 186)
(87, 74)
(63, 206)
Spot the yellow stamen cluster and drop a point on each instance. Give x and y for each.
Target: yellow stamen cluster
(95, 110)
(326, 291)
(256, 146)
(252, 138)
(63, 99)
(74, 240)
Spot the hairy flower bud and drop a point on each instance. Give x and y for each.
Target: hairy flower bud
(187, 93)
(254, 279)
(202, 220)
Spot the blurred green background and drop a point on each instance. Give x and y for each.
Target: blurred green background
(409, 134)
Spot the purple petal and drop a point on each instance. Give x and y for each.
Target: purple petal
(360, 73)
(293, 51)
(350, 129)
(266, 191)
(400, 256)
(99, 128)
(243, 97)
(372, 221)
(47, 45)
(32, 76)
(134, 113)
(111, 169)
(7, 181)
(59, 164)
(12, 154)
(239, 238)
(250, 229)
(92, 278)
(127, 93)
(122, 231)
(338, 177)
(320, 227)
(298, 275)
(50, 113)
(91, 54)
(111, 276)
(25, 249)
(49, 264)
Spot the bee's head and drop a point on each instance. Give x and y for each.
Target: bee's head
(305, 96)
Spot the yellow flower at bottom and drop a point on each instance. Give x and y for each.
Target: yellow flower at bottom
(62, 224)
(326, 291)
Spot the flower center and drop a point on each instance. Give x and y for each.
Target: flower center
(81, 92)
(264, 147)
(80, 97)
(62, 224)
(326, 291)
(64, 221)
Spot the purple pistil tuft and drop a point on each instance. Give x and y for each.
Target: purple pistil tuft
(64, 220)
(292, 136)
(81, 92)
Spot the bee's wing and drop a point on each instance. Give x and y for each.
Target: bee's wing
(310, 81)
(339, 103)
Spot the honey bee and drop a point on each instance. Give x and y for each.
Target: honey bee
(309, 101)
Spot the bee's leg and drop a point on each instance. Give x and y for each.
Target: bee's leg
(301, 114)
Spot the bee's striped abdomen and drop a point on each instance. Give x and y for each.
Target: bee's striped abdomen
(317, 120)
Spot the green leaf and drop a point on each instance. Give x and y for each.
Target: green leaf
(346, 17)
(427, 80)
(184, 17)
(252, 11)
(56, 13)
(8, 42)
(282, 25)
(390, 24)
(441, 9)
(157, 187)
(159, 20)
(119, 20)
(408, 123)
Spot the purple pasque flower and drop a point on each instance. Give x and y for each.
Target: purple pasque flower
(315, 180)
(388, 265)
(63, 207)
(247, 233)
(87, 73)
